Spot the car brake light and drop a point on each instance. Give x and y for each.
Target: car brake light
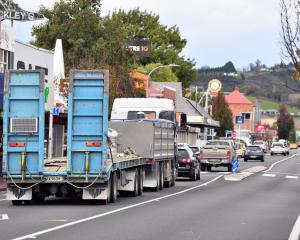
(186, 160)
(228, 154)
(93, 144)
(17, 144)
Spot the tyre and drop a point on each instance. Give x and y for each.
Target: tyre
(173, 177)
(272, 154)
(113, 189)
(161, 176)
(193, 174)
(245, 159)
(208, 167)
(17, 202)
(134, 193)
(262, 160)
(199, 171)
(203, 167)
(140, 182)
(284, 154)
(229, 168)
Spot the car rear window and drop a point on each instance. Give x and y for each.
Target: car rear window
(222, 143)
(277, 145)
(182, 153)
(254, 148)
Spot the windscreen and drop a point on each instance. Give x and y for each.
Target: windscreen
(194, 149)
(132, 115)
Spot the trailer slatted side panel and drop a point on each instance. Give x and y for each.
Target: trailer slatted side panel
(87, 121)
(23, 122)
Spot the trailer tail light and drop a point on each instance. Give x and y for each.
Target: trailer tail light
(93, 144)
(185, 160)
(17, 144)
(228, 154)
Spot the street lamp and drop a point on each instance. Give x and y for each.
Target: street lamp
(149, 74)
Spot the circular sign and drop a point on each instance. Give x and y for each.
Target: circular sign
(214, 86)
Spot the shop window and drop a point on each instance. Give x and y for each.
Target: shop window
(20, 65)
(246, 115)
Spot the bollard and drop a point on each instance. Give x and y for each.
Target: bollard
(235, 166)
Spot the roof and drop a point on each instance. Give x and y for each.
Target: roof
(142, 102)
(236, 97)
(34, 47)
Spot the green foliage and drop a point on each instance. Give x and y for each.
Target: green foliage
(167, 43)
(164, 74)
(222, 113)
(227, 68)
(285, 123)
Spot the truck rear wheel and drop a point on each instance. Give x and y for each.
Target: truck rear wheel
(17, 202)
(134, 193)
(208, 167)
(203, 167)
(113, 189)
(198, 176)
(140, 181)
(161, 176)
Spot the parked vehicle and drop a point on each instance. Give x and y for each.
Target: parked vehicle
(262, 144)
(254, 152)
(188, 165)
(278, 148)
(293, 146)
(217, 153)
(99, 165)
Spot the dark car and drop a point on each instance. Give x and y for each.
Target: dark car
(188, 165)
(254, 153)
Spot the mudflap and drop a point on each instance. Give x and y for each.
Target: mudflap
(151, 173)
(18, 194)
(95, 193)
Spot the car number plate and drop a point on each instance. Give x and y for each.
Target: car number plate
(54, 178)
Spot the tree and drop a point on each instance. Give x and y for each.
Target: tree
(290, 24)
(285, 123)
(167, 43)
(164, 74)
(223, 114)
(229, 67)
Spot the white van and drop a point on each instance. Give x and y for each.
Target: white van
(153, 108)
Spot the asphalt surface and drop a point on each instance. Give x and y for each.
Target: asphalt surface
(263, 206)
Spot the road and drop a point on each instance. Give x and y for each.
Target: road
(262, 206)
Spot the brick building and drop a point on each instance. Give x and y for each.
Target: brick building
(241, 106)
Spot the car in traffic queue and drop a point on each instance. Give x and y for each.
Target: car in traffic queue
(278, 148)
(254, 152)
(196, 151)
(188, 164)
(262, 144)
(293, 146)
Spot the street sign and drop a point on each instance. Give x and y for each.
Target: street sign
(239, 120)
(55, 112)
(214, 87)
(235, 166)
(228, 133)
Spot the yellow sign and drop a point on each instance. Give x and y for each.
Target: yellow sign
(214, 86)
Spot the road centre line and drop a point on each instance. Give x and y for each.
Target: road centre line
(269, 175)
(295, 234)
(292, 177)
(34, 235)
(280, 161)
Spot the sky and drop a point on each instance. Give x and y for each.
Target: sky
(217, 31)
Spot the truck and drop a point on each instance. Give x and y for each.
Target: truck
(97, 167)
(217, 153)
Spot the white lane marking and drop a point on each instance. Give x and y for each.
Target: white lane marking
(34, 235)
(3, 217)
(269, 175)
(295, 234)
(282, 160)
(292, 177)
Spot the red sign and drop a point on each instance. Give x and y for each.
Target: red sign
(234, 135)
(261, 128)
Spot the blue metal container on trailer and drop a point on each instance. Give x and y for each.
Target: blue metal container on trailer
(87, 123)
(23, 124)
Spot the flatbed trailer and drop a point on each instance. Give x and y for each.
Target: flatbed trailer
(90, 170)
